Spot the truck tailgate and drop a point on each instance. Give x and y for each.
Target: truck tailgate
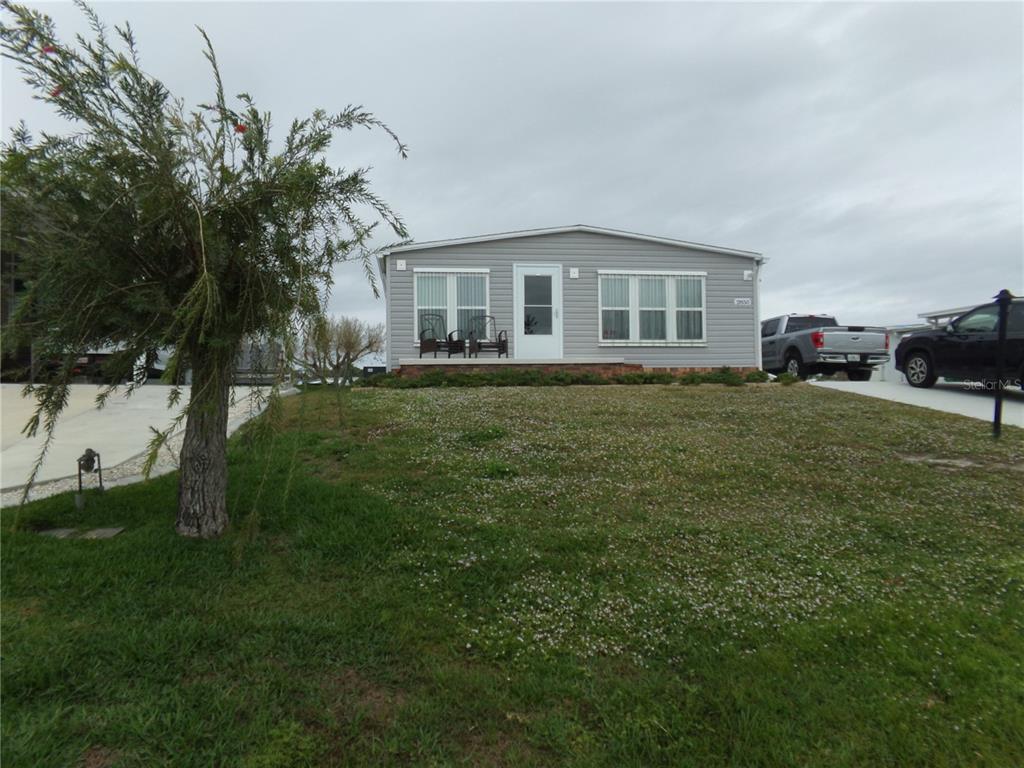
(845, 340)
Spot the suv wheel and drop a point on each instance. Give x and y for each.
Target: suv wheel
(795, 366)
(919, 370)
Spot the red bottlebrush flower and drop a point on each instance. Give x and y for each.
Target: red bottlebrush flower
(56, 92)
(239, 128)
(49, 49)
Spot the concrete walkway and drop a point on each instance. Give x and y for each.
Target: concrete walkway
(948, 397)
(120, 431)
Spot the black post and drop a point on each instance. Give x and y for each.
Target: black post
(1003, 299)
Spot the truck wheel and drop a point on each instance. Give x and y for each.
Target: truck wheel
(859, 374)
(919, 370)
(795, 365)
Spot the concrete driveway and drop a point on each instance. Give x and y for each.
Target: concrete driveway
(120, 431)
(944, 396)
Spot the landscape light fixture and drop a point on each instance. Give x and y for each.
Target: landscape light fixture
(88, 462)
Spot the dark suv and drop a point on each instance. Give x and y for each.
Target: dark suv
(965, 349)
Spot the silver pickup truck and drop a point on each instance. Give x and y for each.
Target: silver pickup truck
(807, 344)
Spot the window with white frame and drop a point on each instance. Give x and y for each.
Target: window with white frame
(615, 308)
(689, 308)
(459, 296)
(651, 308)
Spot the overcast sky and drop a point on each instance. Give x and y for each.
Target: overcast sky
(872, 151)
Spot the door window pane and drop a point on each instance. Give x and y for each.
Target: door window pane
(537, 290)
(615, 324)
(537, 321)
(537, 308)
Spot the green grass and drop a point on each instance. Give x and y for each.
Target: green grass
(582, 576)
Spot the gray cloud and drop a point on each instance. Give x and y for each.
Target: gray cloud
(872, 151)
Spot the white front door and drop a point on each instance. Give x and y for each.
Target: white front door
(537, 294)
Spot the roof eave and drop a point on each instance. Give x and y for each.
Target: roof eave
(754, 255)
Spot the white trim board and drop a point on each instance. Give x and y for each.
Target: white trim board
(460, 270)
(653, 272)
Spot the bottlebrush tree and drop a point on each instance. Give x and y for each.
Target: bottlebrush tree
(157, 226)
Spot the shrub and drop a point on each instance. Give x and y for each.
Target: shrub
(724, 375)
(513, 377)
(560, 378)
(757, 377)
(589, 378)
(786, 379)
(644, 377)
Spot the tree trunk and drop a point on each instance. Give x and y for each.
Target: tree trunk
(203, 484)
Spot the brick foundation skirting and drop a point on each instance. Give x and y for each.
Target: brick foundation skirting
(605, 370)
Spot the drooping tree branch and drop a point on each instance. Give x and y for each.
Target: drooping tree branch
(154, 226)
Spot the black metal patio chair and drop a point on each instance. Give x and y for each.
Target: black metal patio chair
(434, 337)
(483, 336)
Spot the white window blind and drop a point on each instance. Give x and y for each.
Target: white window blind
(459, 298)
(651, 308)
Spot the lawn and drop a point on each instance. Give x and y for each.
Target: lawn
(580, 576)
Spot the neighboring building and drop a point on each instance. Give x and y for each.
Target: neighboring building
(260, 362)
(581, 294)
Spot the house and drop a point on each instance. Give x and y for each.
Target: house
(578, 296)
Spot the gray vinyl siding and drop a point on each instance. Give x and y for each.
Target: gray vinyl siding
(730, 329)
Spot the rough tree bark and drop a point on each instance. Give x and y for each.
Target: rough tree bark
(202, 489)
